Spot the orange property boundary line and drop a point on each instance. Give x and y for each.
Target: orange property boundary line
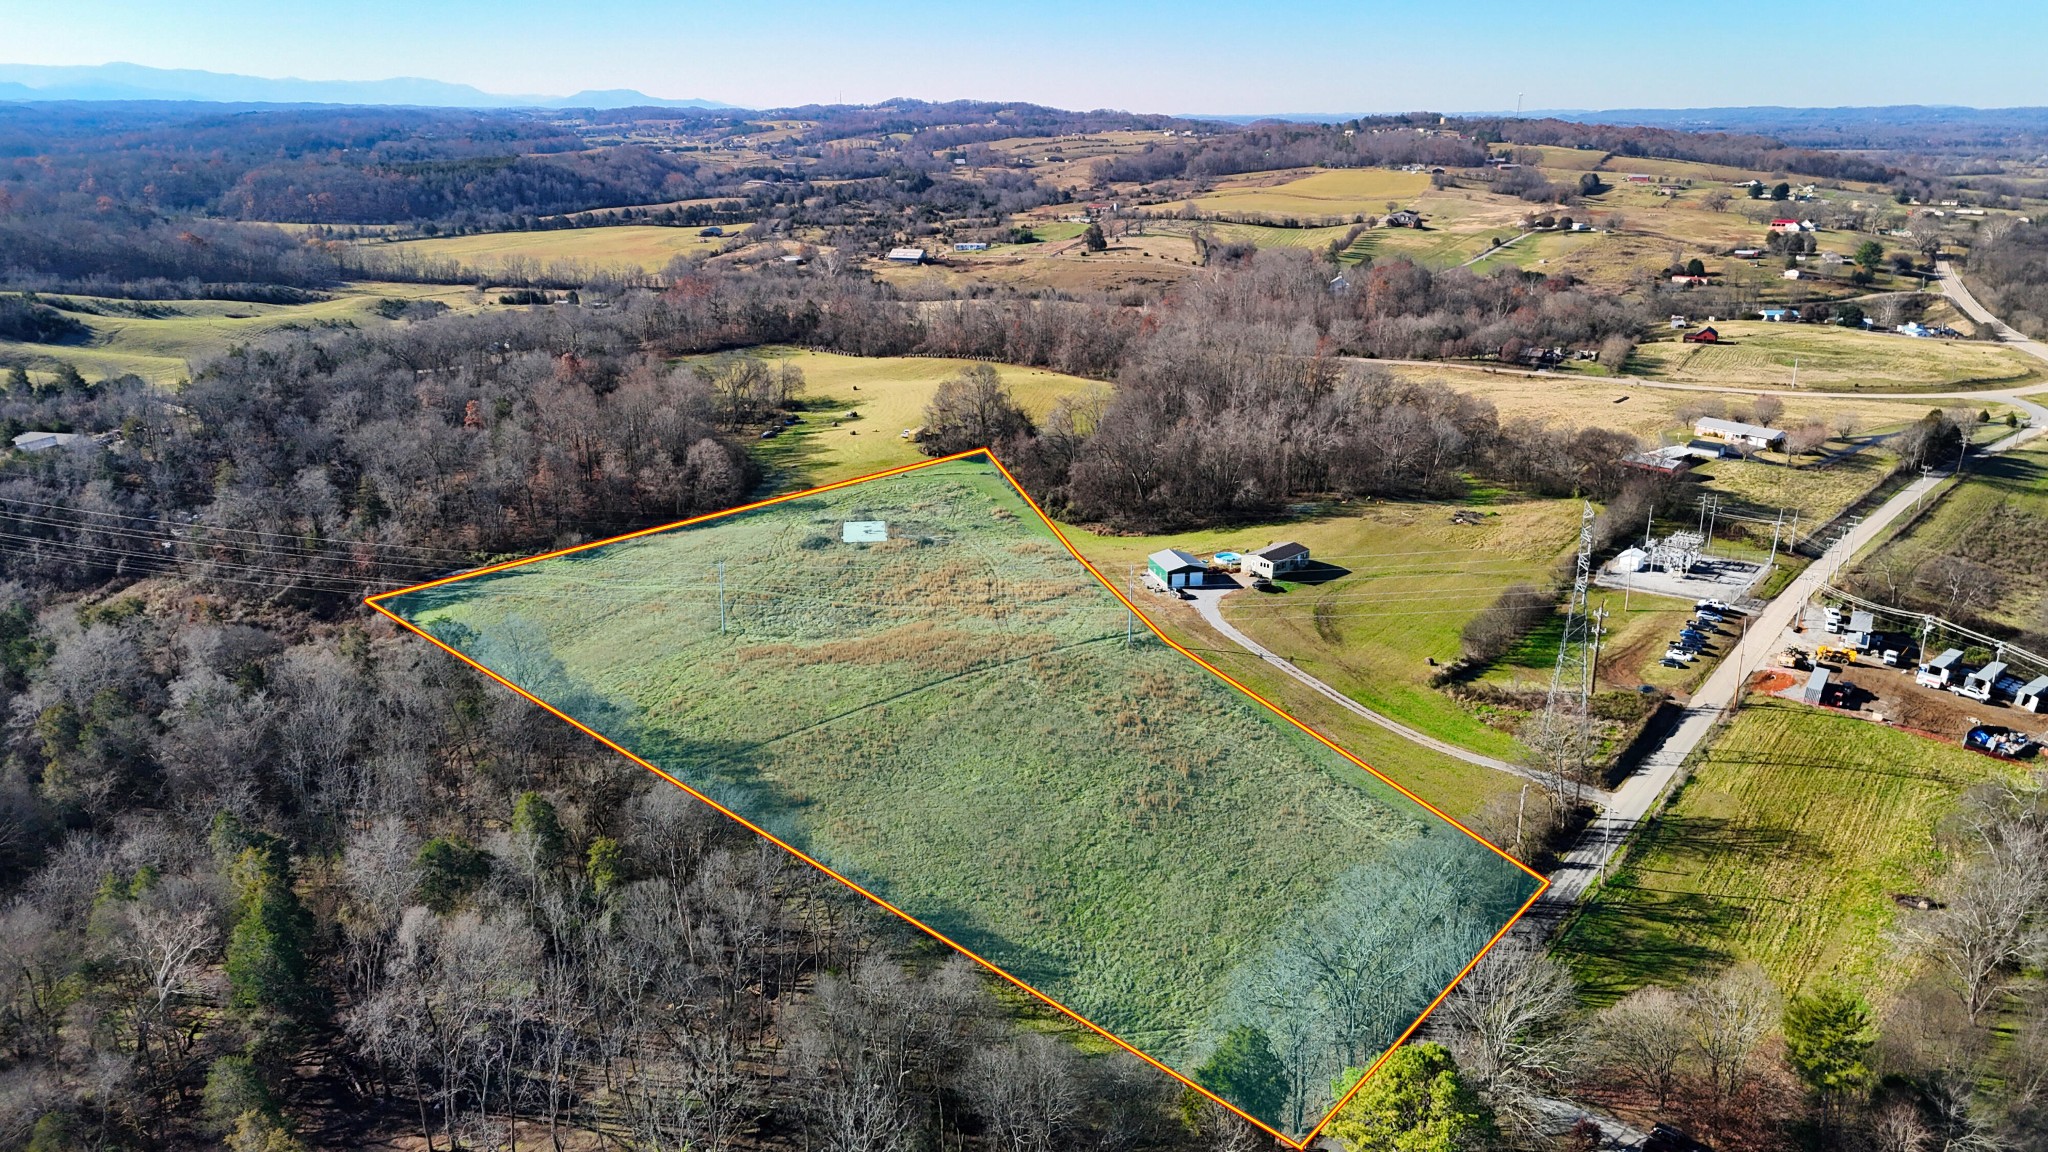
(1543, 883)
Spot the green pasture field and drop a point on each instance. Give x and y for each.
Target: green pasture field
(158, 340)
(954, 719)
(1835, 359)
(1816, 494)
(644, 247)
(1329, 193)
(1999, 503)
(1783, 848)
(890, 394)
(1401, 582)
(1569, 159)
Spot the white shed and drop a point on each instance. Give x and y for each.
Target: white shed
(2030, 694)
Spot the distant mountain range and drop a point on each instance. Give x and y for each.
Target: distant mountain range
(136, 82)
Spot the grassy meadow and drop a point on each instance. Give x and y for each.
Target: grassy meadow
(1993, 517)
(159, 340)
(889, 393)
(1833, 359)
(1784, 848)
(1317, 194)
(953, 719)
(644, 247)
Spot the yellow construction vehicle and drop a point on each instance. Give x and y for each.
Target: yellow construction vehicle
(1826, 652)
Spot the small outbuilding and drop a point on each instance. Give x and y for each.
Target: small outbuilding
(1816, 691)
(2030, 694)
(1173, 568)
(1276, 559)
(905, 256)
(1982, 684)
(1707, 335)
(1628, 560)
(1941, 671)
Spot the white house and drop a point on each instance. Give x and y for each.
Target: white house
(1736, 432)
(1275, 559)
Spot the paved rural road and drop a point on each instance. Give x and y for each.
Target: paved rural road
(1639, 795)
(1209, 602)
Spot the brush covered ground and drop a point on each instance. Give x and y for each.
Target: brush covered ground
(953, 719)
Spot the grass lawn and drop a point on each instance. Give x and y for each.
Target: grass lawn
(1341, 192)
(1834, 359)
(1784, 848)
(1985, 518)
(953, 719)
(1402, 582)
(890, 394)
(642, 246)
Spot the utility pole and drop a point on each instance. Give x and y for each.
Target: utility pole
(721, 597)
(1564, 735)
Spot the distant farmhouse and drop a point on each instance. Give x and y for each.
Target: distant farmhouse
(1403, 218)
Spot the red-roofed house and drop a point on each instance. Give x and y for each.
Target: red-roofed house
(1782, 224)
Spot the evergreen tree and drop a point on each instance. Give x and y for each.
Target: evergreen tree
(1245, 1071)
(268, 969)
(1827, 1035)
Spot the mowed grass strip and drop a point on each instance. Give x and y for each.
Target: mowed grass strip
(1784, 848)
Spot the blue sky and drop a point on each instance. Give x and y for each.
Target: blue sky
(1188, 56)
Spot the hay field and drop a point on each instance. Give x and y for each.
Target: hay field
(161, 346)
(1631, 405)
(1835, 359)
(1325, 193)
(1783, 849)
(1991, 518)
(638, 246)
(952, 719)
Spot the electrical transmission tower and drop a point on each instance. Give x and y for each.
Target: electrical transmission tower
(1564, 740)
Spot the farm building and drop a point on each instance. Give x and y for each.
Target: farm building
(1784, 224)
(905, 256)
(2030, 694)
(1403, 218)
(1941, 671)
(1705, 335)
(1794, 274)
(1816, 691)
(1173, 568)
(1274, 559)
(1667, 461)
(1736, 432)
(43, 441)
(1780, 315)
(1983, 683)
